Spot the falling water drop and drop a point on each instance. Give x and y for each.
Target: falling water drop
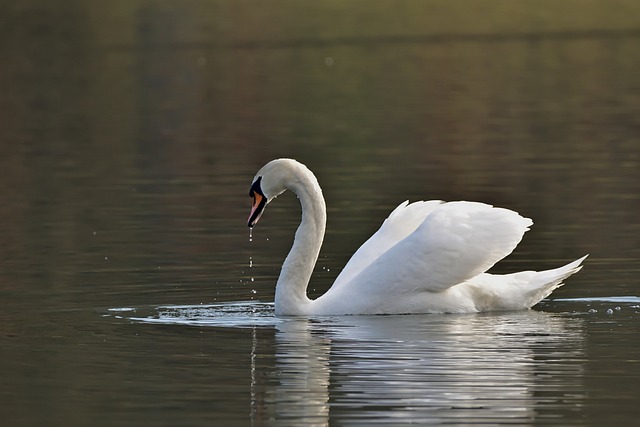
(250, 258)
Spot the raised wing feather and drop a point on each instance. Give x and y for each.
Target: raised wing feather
(401, 222)
(456, 242)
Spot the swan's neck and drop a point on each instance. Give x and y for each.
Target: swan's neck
(291, 289)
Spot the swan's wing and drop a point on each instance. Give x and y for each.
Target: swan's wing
(455, 243)
(401, 222)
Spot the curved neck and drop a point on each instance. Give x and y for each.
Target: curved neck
(291, 289)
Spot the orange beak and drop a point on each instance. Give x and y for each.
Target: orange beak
(258, 202)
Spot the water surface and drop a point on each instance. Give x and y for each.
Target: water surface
(131, 293)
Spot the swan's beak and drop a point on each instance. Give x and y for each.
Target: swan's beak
(258, 202)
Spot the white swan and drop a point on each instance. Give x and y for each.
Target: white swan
(427, 257)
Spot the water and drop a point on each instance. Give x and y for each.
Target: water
(131, 293)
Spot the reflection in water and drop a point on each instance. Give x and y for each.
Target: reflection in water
(520, 367)
(303, 364)
(489, 368)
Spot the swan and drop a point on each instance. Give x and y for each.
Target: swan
(427, 257)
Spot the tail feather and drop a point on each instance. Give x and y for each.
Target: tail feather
(545, 282)
(552, 279)
(521, 290)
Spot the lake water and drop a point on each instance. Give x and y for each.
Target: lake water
(131, 292)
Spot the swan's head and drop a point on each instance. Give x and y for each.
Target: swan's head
(272, 180)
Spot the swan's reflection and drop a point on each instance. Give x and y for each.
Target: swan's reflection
(516, 367)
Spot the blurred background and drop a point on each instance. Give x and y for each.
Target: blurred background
(130, 132)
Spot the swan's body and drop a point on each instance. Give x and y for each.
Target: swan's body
(428, 257)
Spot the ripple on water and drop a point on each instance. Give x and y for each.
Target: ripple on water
(241, 314)
(624, 305)
(247, 314)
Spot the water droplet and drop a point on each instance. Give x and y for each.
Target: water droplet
(617, 308)
(253, 291)
(106, 258)
(251, 234)
(609, 311)
(250, 262)
(592, 310)
(252, 279)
